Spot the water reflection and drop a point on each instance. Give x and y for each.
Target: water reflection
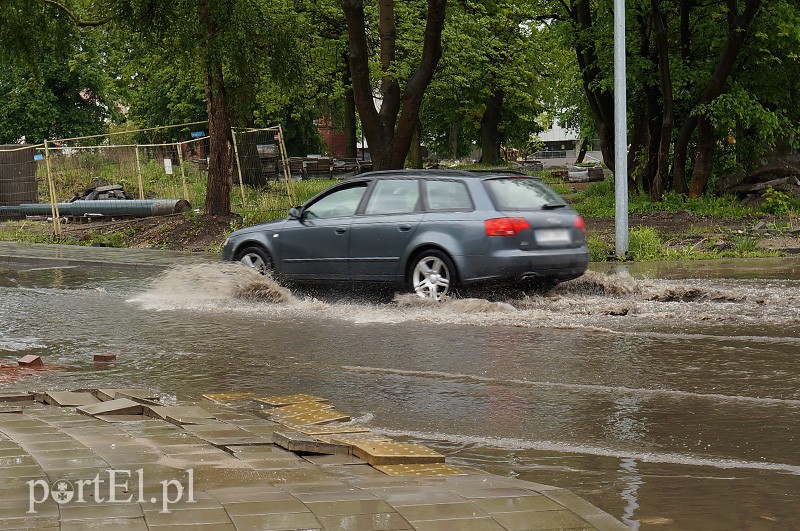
(696, 386)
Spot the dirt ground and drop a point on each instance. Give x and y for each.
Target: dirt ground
(206, 233)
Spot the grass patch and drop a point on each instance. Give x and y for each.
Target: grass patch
(598, 201)
(646, 244)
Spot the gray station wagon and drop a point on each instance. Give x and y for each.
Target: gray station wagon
(427, 230)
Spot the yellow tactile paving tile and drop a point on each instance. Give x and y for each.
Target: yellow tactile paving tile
(286, 400)
(420, 469)
(392, 453)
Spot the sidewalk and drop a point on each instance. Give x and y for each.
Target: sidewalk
(55, 255)
(210, 466)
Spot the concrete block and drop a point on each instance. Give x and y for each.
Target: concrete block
(392, 453)
(30, 361)
(104, 358)
(300, 442)
(69, 398)
(16, 397)
(120, 406)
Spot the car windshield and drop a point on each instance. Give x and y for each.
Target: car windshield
(520, 193)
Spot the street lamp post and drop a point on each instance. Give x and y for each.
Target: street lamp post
(620, 133)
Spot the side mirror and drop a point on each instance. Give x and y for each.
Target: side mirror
(295, 212)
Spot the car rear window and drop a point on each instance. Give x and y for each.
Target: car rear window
(519, 193)
(447, 195)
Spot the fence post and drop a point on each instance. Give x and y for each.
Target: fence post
(287, 172)
(238, 166)
(183, 172)
(52, 187)
(139, 171)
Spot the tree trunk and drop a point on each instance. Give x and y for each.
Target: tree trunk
(490, 128)
(452, 141)
(737, 31)
(601, 102)
(665, 76)
(703, 158)
(220, 155)
(389, 131)
(415, 152)
(350, 134)
(583, 150)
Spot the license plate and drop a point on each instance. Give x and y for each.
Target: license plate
(553, 236)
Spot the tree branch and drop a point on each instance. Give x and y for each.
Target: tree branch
(75, 18)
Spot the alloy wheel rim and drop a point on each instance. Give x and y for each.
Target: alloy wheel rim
(431, 278)
(254, 261)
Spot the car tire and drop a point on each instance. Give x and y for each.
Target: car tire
(256, 257)
(432, 275)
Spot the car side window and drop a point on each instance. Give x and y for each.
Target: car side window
(338, 204)
(394, 196)
(447, 195)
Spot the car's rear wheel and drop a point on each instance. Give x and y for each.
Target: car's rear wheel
(432, 275)
(257, 258)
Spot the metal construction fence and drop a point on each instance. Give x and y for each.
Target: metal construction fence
(119, 174)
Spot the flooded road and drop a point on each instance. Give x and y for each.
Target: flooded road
(667, 395)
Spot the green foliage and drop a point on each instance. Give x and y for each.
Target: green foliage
(779, 203)
(598, 201)
(599, 249)
(645, 244)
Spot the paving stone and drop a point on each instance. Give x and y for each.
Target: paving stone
(300, 442)
(187, 517)
(38, 523)
(161, 412)
(223, 398)
(286, 400)
(440, 511)
(121, 418)
(12, 410)
(517, 503)
(128, 524)
(181, 421)
(369, 506)
(95, 511)
(424, 469)
(69, 398)
(265, 507)
(334, 460)
(413, 494)
(540, 520)
(30, 361)
(462, 524)
(392, 453)
(194, 527)
(295, 409)
(277, 522)
(332, 429)
(380, 521)
(248, 493)
(16, 397)
(117, 406)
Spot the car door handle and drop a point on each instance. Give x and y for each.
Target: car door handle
(404, 227)
(340, 230)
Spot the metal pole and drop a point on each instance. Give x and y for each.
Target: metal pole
(139, 173)
(183, 173)
(620, 133)
(238, 167)
(52, 187)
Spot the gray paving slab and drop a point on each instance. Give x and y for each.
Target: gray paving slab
(248, 483)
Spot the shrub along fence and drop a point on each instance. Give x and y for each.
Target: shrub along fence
(138, 173)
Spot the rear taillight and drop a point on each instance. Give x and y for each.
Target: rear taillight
(579, 224)
(506, 226)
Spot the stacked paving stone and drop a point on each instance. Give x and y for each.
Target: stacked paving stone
(239, 478)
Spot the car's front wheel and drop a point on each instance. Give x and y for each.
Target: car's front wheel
(432, 275)
(255, 257)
